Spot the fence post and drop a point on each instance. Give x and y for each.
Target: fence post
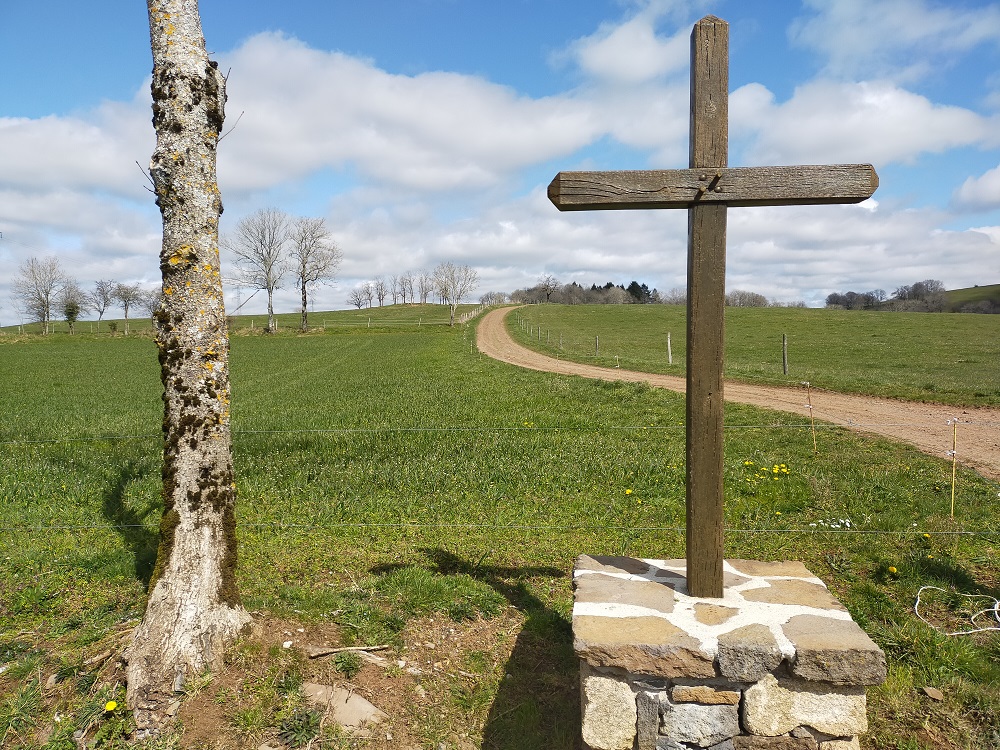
(670, 351)
(954, 462)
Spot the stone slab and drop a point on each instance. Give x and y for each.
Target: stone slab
(704, 694)
(836, 651)
(761, 568)
(600, 588)
(848, 743)
(647, 725)
(640, 645)
(713, 614)
(770, 708)
(748, 653)
(609, 711)
(344, 706)
(773, 743)
(795, 592)
(698, 724)
(607, 564)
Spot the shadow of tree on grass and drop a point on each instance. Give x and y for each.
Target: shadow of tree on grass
(130, 523)
(537, 705)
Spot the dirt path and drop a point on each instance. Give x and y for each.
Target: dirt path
(927, 426)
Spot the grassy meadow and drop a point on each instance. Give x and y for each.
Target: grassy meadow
(941, 357)
(391, 479)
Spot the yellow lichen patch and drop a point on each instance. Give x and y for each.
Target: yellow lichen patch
(181, 255)
(168, 291)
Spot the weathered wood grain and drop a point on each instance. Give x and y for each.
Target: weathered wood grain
(706, 280)
(734, 186)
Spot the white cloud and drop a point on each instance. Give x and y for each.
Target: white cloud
(898, 39)
(97, 150)
(306, 109)
(873, 121)
(980, 193)
(630, 52)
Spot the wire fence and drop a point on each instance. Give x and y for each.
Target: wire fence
(814, 529)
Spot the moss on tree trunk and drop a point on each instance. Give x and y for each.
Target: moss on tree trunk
(193, 609)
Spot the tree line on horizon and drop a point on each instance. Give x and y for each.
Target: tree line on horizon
(550, 289)
(43, 290)
(928, 295)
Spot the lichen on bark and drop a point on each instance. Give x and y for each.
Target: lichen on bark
(193, 609)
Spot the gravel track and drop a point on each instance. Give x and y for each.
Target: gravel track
(926, 426)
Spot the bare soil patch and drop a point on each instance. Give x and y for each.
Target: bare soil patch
(929, 427)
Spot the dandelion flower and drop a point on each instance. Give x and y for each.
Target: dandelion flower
(110, 706)
(777, 512)
(927, 536)
(892, 569)
(628, 491)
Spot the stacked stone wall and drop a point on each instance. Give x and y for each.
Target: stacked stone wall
(777, 664)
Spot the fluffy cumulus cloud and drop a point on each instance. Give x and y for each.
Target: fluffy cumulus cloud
(631, 52)
(94, 151)
(860, 38)
(866, 121)
(304, 109)
(980, 193)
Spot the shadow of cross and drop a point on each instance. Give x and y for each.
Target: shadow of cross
(706, 189)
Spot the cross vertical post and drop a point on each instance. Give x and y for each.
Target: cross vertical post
(706, 292)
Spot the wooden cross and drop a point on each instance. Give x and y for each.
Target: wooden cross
(706, 189)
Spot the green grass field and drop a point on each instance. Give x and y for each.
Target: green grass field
(942, 357)
(386, 475)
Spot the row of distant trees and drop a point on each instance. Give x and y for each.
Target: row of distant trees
(450, 283)
(43, 291)
(923, 296)
(549, 289)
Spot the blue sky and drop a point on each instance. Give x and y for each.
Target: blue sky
(427, 130)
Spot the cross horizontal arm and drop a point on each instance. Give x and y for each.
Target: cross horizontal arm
(740, 186)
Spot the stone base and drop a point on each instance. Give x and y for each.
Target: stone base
(776, 664)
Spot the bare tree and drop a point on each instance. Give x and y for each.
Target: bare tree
(676, 296)
(425, 285)
(493, 298)
(36, 287)
(453, 283)
(548, 284)
(396, 289)
(73, 303)
(315, 257)
(406, 286)
(151, 301)
(193, 610)
(128, 295)
(102, 298)
(357, 298)
(380, 289)
(259, 246)
(743, 298)
(368, 291)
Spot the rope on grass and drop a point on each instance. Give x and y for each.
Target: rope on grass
(994, 610)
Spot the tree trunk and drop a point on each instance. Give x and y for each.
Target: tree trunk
(193, 609)
(270, 312)
(305, 315)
